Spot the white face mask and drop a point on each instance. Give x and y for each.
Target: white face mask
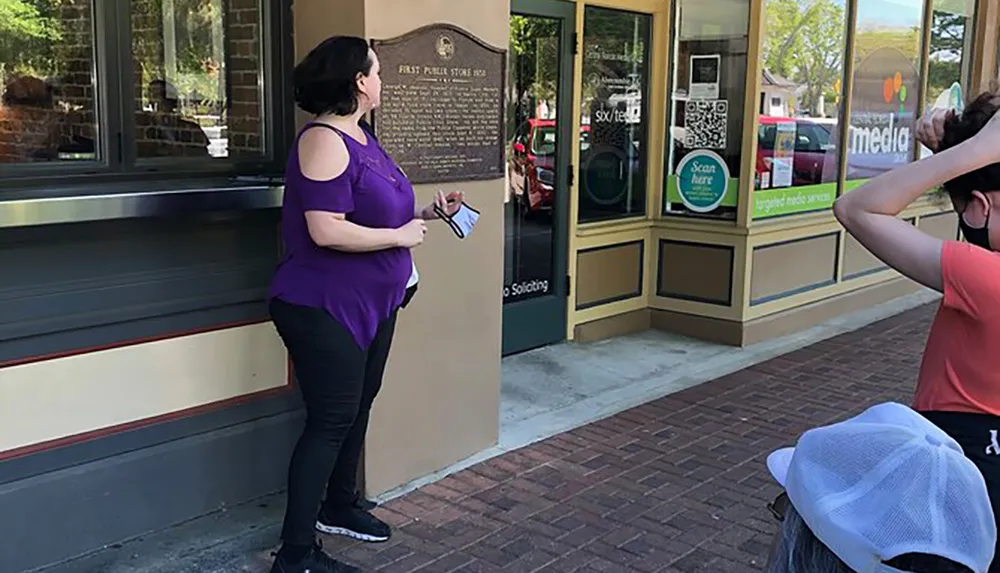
(462, 222)
(414, 277)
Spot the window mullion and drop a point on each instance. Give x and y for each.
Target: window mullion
(124, 83)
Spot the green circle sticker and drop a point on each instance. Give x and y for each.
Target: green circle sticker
(702, 180)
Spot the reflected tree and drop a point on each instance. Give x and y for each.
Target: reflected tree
(534, 44)
(181, 41)
(804, 43)
(28, 31)
(947, 44)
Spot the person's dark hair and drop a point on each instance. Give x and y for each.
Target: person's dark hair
(961, 127)
(798, 550)
(28, 91)
(326, 80)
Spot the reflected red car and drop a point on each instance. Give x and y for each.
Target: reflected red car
(814, 156)
(532, 165)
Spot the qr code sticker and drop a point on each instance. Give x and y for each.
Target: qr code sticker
(705, 124)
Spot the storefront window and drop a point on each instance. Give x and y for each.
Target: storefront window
(533, 156)
(613, 171)
(798, 151)
(886, 87)
(707, 88)
(197, 77)
(186, 87)
(47, 108)
(949, 55)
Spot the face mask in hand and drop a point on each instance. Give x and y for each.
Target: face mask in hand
(462, 222)
(976, 236)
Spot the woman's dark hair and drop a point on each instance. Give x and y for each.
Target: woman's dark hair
(28, 91)
(326, 81)
(798, 550)
(961, 127)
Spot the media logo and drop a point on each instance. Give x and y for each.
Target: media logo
(882, 117)
(894, 90)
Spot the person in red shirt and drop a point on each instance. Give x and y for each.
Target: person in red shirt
(959, 383)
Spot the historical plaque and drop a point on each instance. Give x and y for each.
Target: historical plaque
(441, 116)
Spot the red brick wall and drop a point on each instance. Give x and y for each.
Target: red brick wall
(35, 131)
(243, 47)
(28, 134)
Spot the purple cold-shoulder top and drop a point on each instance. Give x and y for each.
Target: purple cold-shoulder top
(359, 290)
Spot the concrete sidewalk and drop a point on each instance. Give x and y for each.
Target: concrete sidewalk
(676, 485)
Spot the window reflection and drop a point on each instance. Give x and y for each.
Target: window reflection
(798, 152)
(616, 48)
(886, 84)
(533, 101)
(708, 83)
(48, 101)
(197, 78)
(948, 59)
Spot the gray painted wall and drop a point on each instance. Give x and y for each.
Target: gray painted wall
(76, 287)
(53, 517)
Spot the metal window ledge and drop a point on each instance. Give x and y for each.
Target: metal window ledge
(78, 205)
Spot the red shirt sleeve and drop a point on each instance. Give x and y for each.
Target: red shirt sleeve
(971, 277)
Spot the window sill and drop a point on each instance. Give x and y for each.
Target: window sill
(54, 206)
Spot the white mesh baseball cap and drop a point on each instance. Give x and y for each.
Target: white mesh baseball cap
(888, 483)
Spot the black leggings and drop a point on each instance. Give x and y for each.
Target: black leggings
(339, 382)
(975, 433)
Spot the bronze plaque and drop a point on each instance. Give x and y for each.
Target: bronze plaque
(441, 117)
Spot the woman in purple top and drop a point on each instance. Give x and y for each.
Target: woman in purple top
(348, 224)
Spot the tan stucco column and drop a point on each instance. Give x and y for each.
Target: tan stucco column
(984, 62)
(440, 399)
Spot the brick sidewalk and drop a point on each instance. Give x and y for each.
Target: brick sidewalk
(675, 485)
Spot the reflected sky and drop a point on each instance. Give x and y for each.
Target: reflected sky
(889, 13)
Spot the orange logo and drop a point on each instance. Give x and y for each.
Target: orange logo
(892, 88)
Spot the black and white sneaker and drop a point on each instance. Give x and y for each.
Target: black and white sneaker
(366, 504)
(353, 522)
(315, 562)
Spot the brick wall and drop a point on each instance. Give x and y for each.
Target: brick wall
(243, 63)
(40, 121)
(35, 132)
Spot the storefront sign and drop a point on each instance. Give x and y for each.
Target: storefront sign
(610, 160)
(791, 200)
(702, 180)
(883, 112)
(705, 73)
(441, 116)
(528, 288)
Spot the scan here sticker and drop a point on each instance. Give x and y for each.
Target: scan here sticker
(702, 180)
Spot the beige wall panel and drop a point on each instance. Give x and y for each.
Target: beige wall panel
(607, 274)
(695, 272)
(700, 327)
(444, 369)
(612, 326)
(317, 20)
(857, 259)
(47, 400)
(785, 268)
(807, 316)
(943, 226)
(487, 19)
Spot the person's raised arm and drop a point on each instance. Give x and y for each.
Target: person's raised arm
(324, 159)
(869, 213)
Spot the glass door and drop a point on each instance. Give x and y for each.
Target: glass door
(539, 114)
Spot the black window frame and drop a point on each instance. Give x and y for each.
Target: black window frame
(114, 90)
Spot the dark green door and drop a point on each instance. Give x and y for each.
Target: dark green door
(539, 122)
